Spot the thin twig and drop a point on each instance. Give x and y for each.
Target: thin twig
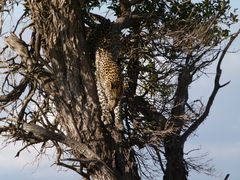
(226, 177)
(216, 88)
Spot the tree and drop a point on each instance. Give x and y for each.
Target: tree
(49, 92)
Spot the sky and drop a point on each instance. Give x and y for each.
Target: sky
(218, 137)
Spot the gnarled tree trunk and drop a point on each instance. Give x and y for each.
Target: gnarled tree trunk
(175, 167)
(59, 26)
(95, 130)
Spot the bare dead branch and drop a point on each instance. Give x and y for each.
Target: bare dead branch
(16, 92)
(19, 20)
(26, 101)
(69, 167)
(44, 134)
(23, 148)
(59, 153)
(159, 157)
(23, 29)
(226, 177)
(17, 45)
(81, 160)
(216, 88)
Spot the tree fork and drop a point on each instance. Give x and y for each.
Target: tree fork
(60, 25)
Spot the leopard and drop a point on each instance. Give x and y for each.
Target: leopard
(109, 82)
(104, 46)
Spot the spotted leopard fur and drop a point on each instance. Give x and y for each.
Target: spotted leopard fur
(109, 85)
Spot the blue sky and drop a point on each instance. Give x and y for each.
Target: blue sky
(219, 136)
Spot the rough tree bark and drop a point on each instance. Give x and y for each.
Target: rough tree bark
(165, 47)
(60, 26)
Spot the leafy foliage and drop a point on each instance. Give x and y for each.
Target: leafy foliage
(48, 92)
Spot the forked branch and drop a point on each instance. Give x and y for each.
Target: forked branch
(42, 134)
(216, 88)
(15, 93)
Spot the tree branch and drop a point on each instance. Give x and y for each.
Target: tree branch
(17, 45)
(43, 134)
(180, 99)
(226, 177)
(26, 101)
(129, 20)
(16, 92)
(41, 75)
(216, 88)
